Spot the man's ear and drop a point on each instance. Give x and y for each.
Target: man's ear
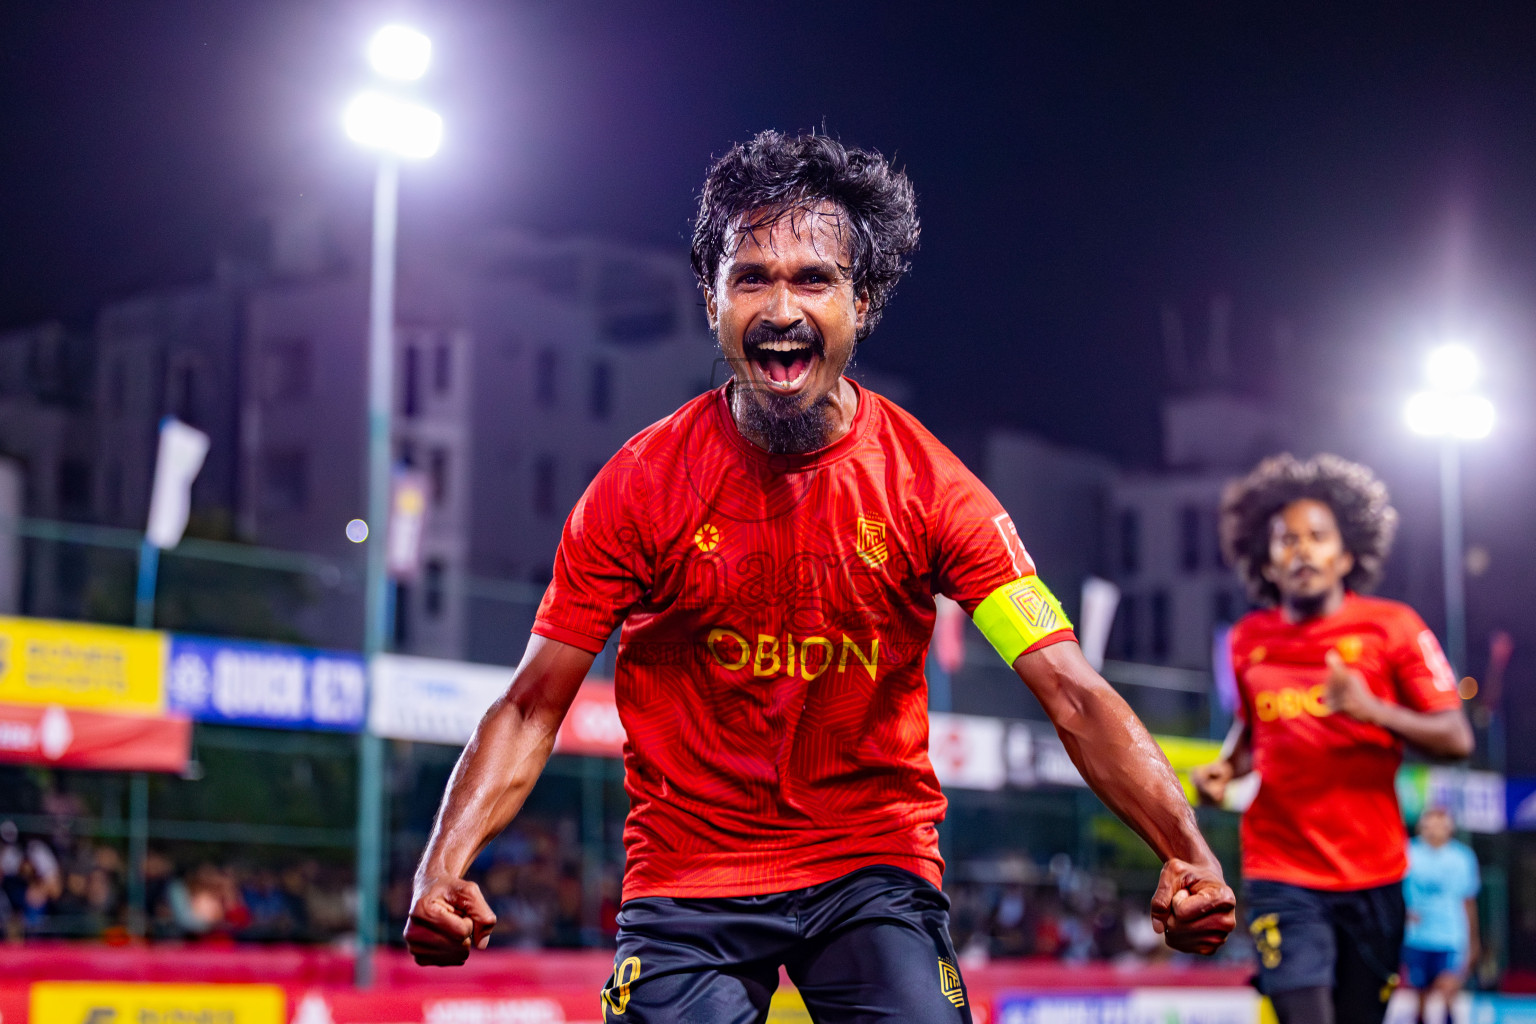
(1349, 562)
(711, 310)
(860, 310)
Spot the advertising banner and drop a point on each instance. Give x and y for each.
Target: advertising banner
(106, 668)
(967, 751)
(592, 727)
(433, 701)
(1520, 804)
(1139, 1006)
(239, 682)
(72, 738)
(119, 1003)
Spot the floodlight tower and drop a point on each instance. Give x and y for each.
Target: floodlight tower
(398, 128)
(1451, 411)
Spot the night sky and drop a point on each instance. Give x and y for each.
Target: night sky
(1077, 165)
(1363, 176)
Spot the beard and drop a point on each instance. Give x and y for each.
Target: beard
(782, 424)
(778, 422)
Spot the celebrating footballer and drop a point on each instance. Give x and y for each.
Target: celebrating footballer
(1333, 683)
(770, 553)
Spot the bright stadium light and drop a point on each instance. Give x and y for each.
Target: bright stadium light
(394, 125)
(400, 52)
(1437, 414)
(1452, 368)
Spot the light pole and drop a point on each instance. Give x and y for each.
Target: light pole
(399, 129)
(1451, 411)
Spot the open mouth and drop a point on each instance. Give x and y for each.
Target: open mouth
(783, 363)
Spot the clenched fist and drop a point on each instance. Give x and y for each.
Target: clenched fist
(449, 917)
(1193, 909)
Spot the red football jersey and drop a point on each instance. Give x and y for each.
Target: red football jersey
(776, 616)
(1326, 813)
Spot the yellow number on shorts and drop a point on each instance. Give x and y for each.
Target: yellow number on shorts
(616, 996)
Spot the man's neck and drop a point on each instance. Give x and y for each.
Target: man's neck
(1305, 609)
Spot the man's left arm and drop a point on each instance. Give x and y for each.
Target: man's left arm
(1193, 906)
(1444, 734)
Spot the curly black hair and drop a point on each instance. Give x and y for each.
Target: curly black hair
(1367, 521)
(775, 174)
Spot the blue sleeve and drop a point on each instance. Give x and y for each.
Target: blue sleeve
(1474, 876)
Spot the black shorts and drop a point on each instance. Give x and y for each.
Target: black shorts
(1349, 942)
(870, 946)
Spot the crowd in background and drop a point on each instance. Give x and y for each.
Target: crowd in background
(59, 887)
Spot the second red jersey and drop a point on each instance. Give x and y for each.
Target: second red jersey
(1326, 814)
(776, 617)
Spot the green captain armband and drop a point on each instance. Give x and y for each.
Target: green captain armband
(1018, 615)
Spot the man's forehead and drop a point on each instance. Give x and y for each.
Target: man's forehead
(778, 230)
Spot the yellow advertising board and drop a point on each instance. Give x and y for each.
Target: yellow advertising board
(88, 1002)
(1184, 753)
(107, 668)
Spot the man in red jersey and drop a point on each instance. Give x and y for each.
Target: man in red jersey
(1332, 683)
(772, 551)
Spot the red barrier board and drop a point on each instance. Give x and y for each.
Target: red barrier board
(73, 738)
(13, 1003)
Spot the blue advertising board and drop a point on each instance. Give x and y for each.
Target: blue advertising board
(239, 682)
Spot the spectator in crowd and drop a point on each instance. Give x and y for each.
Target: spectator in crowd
(1440, 891)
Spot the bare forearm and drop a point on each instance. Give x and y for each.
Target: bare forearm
(1116, 755)
(503, 759)
(1442, 734)
(493, 777)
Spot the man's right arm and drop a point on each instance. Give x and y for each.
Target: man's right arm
(497, 769)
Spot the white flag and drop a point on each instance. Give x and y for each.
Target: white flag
(182, 450)
(1100, 598)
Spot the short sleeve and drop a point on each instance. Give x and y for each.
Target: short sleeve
(602, 566)
(980, 563)
(1473, 874)
(1237, 659)
(976, 547)
(1425, 681)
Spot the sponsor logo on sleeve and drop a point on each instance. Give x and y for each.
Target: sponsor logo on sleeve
(1022, 563)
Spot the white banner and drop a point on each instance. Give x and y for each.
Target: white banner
(967, 751)
(432, 701)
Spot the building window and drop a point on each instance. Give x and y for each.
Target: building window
(432, 589)
(284, 480)
(286, 369)
(1227, 607)
(437, 472)
(114, 489)
(1127, 626)
(1130, 541)
(601, 399)
(1160, 626)
(402, 609)
(185, 408)
(1191, 521)
(74, 485)
(442, 368)
(411, 382)
(544, 486)
(545, 370)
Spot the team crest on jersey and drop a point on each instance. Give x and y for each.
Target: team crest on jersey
(949, 983)
(869, 541)
(706, 538)
(1022, 563)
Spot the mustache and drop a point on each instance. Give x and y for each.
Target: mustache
(761, 333)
